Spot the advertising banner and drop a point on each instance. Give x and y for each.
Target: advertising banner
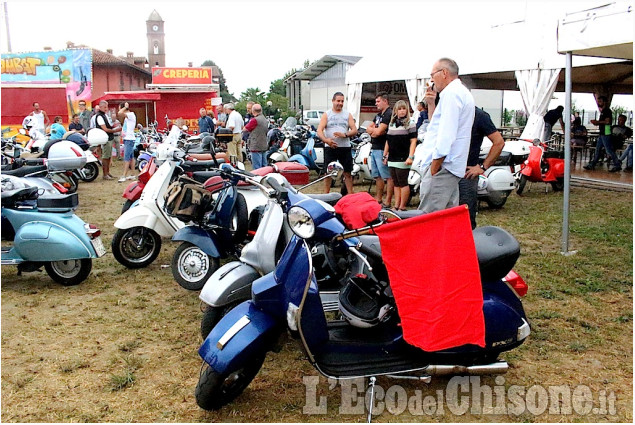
(182, 76)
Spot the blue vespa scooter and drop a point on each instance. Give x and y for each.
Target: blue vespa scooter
(44, 231)
(370, 341)
(310, 155)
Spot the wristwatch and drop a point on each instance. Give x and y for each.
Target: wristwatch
(482, 167)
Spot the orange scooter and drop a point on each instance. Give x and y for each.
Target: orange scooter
(542, 165)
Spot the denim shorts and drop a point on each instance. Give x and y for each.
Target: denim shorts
(128, 150)
(377, 166)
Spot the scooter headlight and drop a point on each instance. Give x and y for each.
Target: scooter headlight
(300, 222)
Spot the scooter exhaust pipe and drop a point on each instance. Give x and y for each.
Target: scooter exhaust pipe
(486, 369)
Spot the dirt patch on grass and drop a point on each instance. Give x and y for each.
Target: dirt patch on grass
(122, 346)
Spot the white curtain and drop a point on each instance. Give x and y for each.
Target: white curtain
(536, 88)
(416, 89)
(354, 101)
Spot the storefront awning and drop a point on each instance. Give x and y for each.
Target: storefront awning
(129, 96)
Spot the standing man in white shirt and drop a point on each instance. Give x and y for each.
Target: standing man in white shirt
(42, 120)
(447, 141)
(235, 123)
(129, 124)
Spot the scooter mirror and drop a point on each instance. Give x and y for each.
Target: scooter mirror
(22, 131)
(334, 168)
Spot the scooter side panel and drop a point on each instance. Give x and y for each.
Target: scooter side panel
(299, 159)
(253, 339)
(231, 282)
(133, 191)
(499, 179)
(260, 252)
(142, 216)
(47, 241)
(199, 237)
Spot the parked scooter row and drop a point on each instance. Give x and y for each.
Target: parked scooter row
(288, 297)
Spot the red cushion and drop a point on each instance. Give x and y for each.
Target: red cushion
(358, 209)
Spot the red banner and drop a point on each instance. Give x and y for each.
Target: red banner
(434, 275)
(185, 76)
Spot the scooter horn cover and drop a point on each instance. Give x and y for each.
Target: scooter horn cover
(434, 276)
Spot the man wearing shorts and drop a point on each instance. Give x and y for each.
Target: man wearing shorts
(336, 126)
(129, 124)
(102, 121)
(377, 130)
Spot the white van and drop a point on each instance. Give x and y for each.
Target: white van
(312, 117)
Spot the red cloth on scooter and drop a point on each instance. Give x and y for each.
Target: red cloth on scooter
(434, 275)
(357, 209)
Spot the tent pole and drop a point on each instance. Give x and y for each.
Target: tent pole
(567, 156)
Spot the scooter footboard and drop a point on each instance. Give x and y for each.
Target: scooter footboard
(231, 282)
(243, 333)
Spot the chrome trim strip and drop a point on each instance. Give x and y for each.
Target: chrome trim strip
(231, 332)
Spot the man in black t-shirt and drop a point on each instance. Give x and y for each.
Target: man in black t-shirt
(468, 185)
(604, 139)
(377, 131)
(551, 118)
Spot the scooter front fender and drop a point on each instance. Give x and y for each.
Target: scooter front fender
(133, 191)
(231, 282)
(199, 237)
(278, 157)
(243, 333)
(45, 241)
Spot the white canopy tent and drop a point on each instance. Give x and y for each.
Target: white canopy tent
(532, 67)
(605, 31)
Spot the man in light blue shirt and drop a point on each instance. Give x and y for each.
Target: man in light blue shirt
(447, 141)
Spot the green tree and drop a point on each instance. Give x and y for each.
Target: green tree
(278, 87)
(507, 116)
(224, 91)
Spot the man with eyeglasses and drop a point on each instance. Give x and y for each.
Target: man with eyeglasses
(447, 141)
(84, 116)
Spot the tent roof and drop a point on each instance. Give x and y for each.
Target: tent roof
(584, 33)
(321, 65)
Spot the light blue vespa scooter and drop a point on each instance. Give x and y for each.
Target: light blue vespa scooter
(44, 231)
(310, 156)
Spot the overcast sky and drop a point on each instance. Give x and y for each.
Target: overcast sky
(255, 43)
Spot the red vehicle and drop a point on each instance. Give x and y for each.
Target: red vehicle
(542, 165)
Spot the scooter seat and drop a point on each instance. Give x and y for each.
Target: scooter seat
(11, 197)
(200, 165)
(407, 214)
(26, 170)
(202, 176)
(497, 251)
(553, 154)
(329, 198)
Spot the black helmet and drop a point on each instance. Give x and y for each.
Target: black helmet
(365, 303)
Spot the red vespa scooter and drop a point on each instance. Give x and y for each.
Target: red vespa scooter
(542, 165)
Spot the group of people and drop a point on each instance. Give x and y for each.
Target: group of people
(610, 137)
(252, 129)
(450, 167)
(101, 117)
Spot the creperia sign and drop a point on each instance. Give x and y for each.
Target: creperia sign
(185, 76)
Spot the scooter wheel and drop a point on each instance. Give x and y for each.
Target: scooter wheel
(214, 390)
(191, 267)
(496, 200)
(127, 205)
(136, 247)
(521, 184)
(558, 185)
(91, 171)
(239, 226)
(69, 272)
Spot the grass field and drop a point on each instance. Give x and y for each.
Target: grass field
(122, 346)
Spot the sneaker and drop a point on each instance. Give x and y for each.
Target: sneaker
(131, 178)
(615, 169)
(107, 177)
(589, 167)
(122, 179)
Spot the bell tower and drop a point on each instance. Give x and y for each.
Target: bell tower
(156, 40)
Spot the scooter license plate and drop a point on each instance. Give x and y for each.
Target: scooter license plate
(99, 246)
